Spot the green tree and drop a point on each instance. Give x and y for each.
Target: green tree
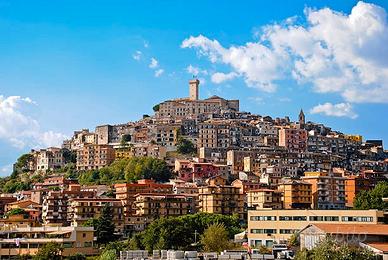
(179, 232)
(329, 249)
(156, 108)
(105, 227)
(92, 222)
(49, 251)
(294, 240)
(215, 238)
(372, 199)
(108, 255)
(185, 146)
(135, 242)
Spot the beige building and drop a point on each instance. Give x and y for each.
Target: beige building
(266, 227)
(264, 198)
(151, 206)
(221, 199)
(191, 107)
(27, 240)
(94, 156)
(49, 159)
(328, 189)
(81, 210)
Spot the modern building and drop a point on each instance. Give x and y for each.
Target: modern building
(297, 194)
(81, 210)
(221, 199)
(328, 189)
(18, 241)
(152, 206)
(264, 198)
(266, 227)
(94, 156)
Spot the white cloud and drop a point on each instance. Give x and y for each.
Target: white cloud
(195, 71)
(220, 77)
(337, 110)
(6, 170)
(154, 63)
(257, 100)
(146, 44)
(285, 99)
(20, 129)
(137, 55)
(159, 72)
(335, 52)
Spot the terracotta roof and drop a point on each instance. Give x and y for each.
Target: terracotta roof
(369, 229)
(379, 246)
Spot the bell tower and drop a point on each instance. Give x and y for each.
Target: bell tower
(302, 118)
(194, 89)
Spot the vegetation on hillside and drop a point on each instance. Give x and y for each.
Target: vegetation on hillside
(373, 199)
(128, 170)
(328, 249)
(185, 146)
(179, 232)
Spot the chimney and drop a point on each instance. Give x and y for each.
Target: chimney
(194, 89)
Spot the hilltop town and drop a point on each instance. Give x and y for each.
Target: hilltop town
(272, 176)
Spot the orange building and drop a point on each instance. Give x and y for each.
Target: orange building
(328, 189)
(296, 194)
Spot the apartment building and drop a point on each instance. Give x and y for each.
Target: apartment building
(297, 194)
(151, 206)
(94, 156)
(221, 199)
(49, 159)
(16, 241)
(266, 227)
(55, 204)
(112, 134)
(59, 182)
(192, 106)
(199, 171)
(81, 210)
(125, 192)
(167, 135)
(264, 198)
(328, 189)
(294, 139)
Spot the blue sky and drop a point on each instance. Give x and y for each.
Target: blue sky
(67, 65)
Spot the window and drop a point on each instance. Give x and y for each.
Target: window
(263, 218)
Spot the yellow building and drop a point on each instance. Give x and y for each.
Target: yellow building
(354, 138)
(28, 240)
(264, 198)
(266, 227)
(296, 194)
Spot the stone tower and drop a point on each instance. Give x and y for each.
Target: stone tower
(194, 89)
(302, 119)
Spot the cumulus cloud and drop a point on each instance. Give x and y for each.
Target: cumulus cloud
(195, 71)
(159, 72)
(220, 77)
(333, 52)
(337, 110)
(21, 130)
(154, 63)
(137, 55)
